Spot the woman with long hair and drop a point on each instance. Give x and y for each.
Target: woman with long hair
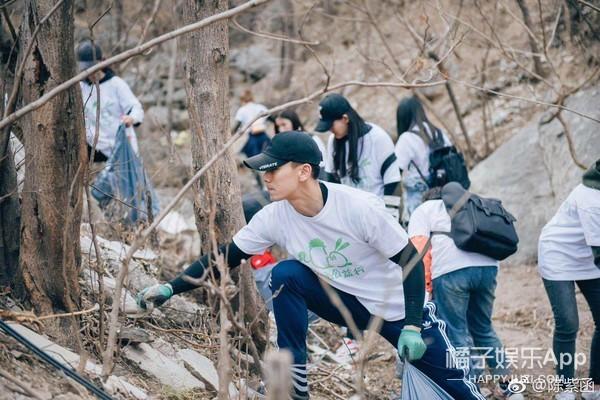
(359, 153)
(415, 133)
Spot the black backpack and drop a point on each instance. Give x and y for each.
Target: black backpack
(479, 225)
(446, 163)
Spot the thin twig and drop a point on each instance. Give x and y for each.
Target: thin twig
(593, 7)
(533, 101)
(570, 143)
(273, 36)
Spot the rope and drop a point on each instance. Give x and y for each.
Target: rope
(71, 373)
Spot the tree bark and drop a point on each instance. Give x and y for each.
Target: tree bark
(207, 88)
(54, 147)
(10, 210)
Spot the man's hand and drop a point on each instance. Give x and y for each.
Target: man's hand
(411, 344)
(154, 296)
(127, 120)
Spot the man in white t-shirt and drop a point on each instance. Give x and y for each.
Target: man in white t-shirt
(339, 237)
(464, 285)
(569, 255)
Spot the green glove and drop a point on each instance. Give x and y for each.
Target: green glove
(411, 344)
(154, 296)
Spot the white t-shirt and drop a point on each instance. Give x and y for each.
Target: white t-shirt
(373, 149)
(248, 112)
(116, 100)
(322, 149)
(348, 244)
(411, 147)
(431, 216)
(564, 249)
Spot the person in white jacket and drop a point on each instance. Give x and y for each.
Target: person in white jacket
(118, 104)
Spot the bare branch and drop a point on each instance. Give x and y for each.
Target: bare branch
(570, 143)
(593, 7)
(272, 36)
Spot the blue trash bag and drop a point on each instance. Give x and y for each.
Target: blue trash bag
(418, 386)
(125, 179)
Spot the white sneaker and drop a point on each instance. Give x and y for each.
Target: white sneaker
(565, 396)
(345, 353)
(591, 395)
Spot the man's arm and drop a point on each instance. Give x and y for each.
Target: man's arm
(413, 283)
(196, 270)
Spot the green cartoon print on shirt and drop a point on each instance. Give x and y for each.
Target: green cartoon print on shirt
(333, 264)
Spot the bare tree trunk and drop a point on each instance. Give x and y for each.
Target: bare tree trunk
(207, 88)
(537, 64)
(10, 218)
(54, 144)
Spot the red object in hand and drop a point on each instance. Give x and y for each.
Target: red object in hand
(262, 260)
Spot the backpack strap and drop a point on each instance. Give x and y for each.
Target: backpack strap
(440, 233)
(386, 164)
(419, 172)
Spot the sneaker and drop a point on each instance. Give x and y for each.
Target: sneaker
(345, 353)
(591, 395)
(501, 392)
(565, 396)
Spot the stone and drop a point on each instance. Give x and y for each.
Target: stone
(204, 368)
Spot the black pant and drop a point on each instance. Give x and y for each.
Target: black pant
(98, 155)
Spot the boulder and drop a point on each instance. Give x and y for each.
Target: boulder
(533, 172)
(254, 61)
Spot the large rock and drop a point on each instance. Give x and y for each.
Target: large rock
(533, 172)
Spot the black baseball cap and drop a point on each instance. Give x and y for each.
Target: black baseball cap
(88, 54)
(289, 146)
(332, 107)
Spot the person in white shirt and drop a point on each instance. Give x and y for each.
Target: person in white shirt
(415, 132)
(569, 256)
(258, 140)
(339, 237)
(463, 288)
(118, 104)
(359, 154)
